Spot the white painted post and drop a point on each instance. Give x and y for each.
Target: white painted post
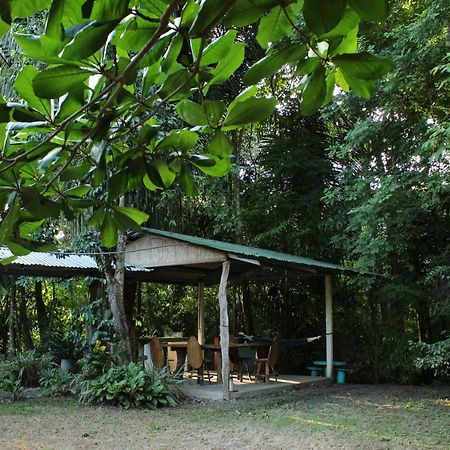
(224, 331)
(148, 363)
(329, 325)
(201, 313)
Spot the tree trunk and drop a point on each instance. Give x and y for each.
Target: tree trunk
(224, 330)
(24, 320)
(11, 318)
(42, 316)
(237, 142)
(376, 338)
(129, 305)
(115, 281)
(423, 316)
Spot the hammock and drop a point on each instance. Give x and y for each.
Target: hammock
(285, 343)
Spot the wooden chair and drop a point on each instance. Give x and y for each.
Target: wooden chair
(157, 353)
(270, 362)
(196, 361)
(239, 362)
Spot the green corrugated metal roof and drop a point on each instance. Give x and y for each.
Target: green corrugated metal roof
(270, 257)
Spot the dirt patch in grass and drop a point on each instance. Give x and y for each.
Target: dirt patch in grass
(337, 417)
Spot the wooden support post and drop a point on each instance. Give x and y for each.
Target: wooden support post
(224, 331)
(329, 325)
(201, 313)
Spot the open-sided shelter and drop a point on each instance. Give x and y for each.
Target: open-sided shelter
(190, 260)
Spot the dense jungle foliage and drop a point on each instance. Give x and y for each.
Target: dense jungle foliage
(361, 182)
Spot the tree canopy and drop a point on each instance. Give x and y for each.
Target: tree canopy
(85, 129)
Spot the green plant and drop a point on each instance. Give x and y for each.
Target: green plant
(93, 364)
(13, 384)
(433, 357)
(66, 346)
(28, 364)
(56, 381)
(133, 386)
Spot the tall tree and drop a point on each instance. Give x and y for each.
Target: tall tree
(88, 130)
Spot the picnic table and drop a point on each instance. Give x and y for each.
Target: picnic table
(340, 369)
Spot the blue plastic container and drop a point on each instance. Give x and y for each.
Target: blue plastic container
(340, 376)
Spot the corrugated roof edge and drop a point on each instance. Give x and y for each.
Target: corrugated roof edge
(256, 252)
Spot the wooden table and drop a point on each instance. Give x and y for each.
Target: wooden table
(217, 348)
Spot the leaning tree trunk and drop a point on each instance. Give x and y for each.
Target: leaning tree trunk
(24, 320)
(43, 322)
(130, 292)
(115, 281)
(11, 318)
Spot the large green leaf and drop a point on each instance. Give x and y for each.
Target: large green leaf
(271, 63)
(118, 184)
(247, 93)
(214, 110)
(348, 22)
(4, 28)
(134, 214)
(314, 92)
(211, 11)
(132, 34)
(220, 145)
(274, 26)
(108, 231)
(243, 13)
(172, 53)
(123, 222)
(53, 27)
(88, 40)
(54, 82)
(166, 174)
(187, 182)
(76, 172)
(176, 84)
(376, 10)
(109, 9)
(229, 64)
(24, 87)
(250, 111)
(324, 16)
(182, 140)
(8, 222)
(32, 46)
(192, 113)
(211, 164)
(219, 48)
(361, 70)
(26, 8)
(154, 8)
(156, 52)
(39, 206)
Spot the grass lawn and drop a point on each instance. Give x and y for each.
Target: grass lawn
(351, 416)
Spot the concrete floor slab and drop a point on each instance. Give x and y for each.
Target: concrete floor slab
(214, 391)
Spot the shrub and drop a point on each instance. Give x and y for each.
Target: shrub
(93, 364)
(56, 381)
(133, 386)
(434, 358)
(29, 363)
(68, 345)
(12, 384)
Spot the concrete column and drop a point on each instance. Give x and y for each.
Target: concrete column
(329, 325)
(201, 313)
